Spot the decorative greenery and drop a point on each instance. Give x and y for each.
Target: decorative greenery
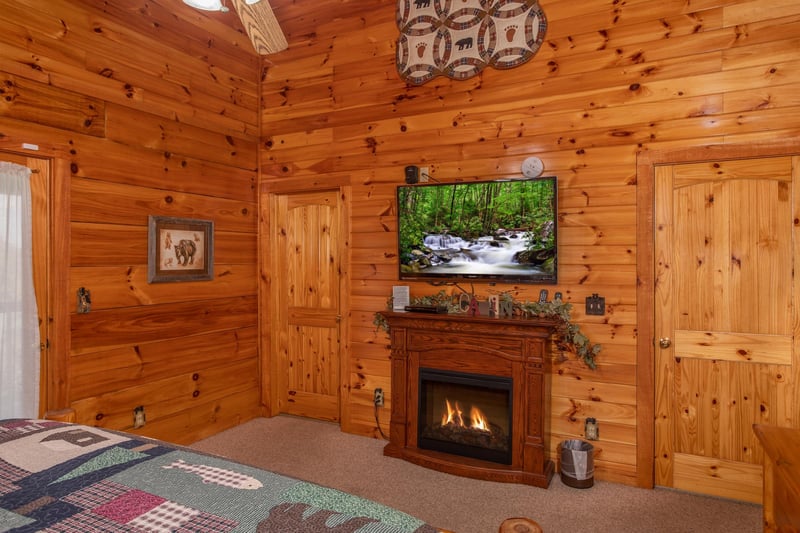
(571, 339)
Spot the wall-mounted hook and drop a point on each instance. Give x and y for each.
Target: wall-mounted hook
(84, 300)
(138, 417)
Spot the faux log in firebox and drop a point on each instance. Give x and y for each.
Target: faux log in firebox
(515, 348)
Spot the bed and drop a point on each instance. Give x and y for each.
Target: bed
(62, 477)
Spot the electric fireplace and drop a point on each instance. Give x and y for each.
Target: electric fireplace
(470, 395)
(465, 414)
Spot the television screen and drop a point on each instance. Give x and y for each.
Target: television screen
(502, 230)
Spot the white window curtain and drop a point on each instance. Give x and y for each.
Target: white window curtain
(19, 322)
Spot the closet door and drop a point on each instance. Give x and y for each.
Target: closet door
(726, 349)
(306, 250)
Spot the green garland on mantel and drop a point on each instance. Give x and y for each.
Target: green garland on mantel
(571, 338)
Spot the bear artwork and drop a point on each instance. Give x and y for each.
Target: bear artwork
(184, 252)
(459, 39)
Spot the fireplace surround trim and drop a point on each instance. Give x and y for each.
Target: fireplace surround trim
(506, 347)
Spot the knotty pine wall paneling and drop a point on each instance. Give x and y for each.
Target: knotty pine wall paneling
(155, 107)
(611, 80)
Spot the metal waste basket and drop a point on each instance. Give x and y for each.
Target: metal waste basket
(577, 463)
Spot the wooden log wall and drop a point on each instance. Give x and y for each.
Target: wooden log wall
(613, 79)
(151, 108)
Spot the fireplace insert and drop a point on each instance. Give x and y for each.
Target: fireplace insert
(465, 414)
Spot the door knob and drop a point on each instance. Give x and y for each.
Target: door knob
(665, 342)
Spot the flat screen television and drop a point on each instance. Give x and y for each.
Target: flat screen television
(500, 230)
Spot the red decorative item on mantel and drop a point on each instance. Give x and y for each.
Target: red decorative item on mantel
(459, 39)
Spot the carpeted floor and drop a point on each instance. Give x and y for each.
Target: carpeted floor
(319, 452)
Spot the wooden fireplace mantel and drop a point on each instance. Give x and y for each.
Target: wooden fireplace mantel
(518, 348)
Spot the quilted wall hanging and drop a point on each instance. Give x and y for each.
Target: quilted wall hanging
(459, 38)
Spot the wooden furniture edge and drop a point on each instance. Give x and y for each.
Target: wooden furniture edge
(61, 415)
(781, 505)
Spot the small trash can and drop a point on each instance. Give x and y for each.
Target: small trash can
(577, 463)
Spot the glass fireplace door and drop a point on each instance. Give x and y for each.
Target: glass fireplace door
(465, 414)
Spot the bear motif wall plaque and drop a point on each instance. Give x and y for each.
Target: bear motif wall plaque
(459, 38)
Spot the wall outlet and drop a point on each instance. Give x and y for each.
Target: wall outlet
(138, 417)
(378, 398)
(592, 429)
(595, 305)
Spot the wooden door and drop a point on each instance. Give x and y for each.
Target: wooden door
(306, 253)
(726, 350)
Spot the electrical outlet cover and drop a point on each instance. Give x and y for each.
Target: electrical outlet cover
(595, 305)
(591, 429)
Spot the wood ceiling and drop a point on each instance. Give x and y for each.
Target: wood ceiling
(174, 20)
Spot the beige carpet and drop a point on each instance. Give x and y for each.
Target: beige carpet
(319, 452)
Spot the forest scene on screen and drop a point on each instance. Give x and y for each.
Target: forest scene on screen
(482, 229)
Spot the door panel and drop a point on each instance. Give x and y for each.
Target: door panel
(725, 319)
(305, 315)
(735, 480)
(741, 347)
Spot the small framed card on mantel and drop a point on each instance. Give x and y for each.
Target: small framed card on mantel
(400, 297)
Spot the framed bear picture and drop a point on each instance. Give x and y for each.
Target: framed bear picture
(179, 249)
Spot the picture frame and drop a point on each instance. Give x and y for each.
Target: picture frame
(179, 249)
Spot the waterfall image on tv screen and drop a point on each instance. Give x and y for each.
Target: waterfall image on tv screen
(503, 230)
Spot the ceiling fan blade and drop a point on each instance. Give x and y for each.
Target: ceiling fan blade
(261, 26)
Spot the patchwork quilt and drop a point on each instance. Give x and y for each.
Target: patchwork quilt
(60, 477)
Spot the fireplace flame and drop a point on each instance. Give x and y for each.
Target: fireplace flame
(479, 420)
(452, 415)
